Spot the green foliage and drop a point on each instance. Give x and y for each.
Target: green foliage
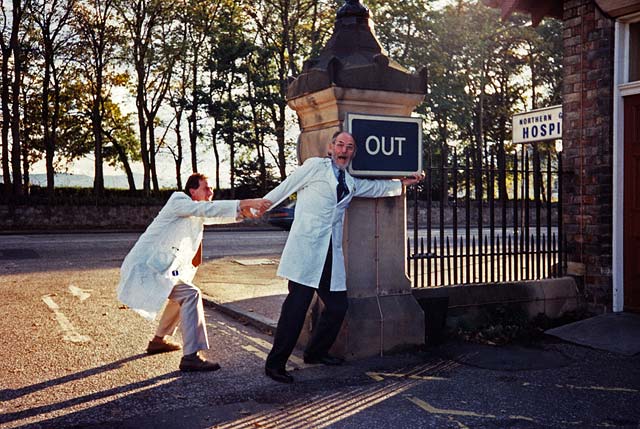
(224, 65)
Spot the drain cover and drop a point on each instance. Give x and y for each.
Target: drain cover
(18, 254)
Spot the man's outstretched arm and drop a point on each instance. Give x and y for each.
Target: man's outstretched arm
(254, 207)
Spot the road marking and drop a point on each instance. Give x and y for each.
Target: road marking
(607, 389)
(379, 376)
(255, 351)
(253, 262)
(451, 412)
(323, 411)
(433, 410)
(416, 373)
(601, 388)
(82, 294)
(263, 344)
(69, 331)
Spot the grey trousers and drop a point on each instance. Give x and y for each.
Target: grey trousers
(185, 307)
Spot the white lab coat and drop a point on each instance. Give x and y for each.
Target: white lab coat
(162, 255)
(319, 218)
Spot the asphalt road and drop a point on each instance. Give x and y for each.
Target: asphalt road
(56, 252)
(71, 356)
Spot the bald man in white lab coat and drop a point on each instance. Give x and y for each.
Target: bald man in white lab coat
(313, 259)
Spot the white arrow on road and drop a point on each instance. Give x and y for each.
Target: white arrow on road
(69, 331)
(82, 294)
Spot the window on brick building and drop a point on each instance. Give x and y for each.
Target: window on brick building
(634, 51)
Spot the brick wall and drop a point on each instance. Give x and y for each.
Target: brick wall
(588, 150)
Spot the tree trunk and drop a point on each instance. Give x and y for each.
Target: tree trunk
(25, 162)
(258, 135)
(263, 166)
(53, 135)
(49, 149)
(502, 161)
(26, 145)
(142, 127)
(193, 119)
(214, 133)
(232, 149)
(282, 158)
(15, 102)
(152, 152)
(178, 157)
(96, 122)
(125, 163)
(537, 173)
(6, 116)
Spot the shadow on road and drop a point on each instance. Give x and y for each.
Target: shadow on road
(10, 394)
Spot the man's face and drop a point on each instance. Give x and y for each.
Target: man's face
(203, 192)
(343, 150)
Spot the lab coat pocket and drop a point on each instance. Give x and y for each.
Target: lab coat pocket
(161, 260)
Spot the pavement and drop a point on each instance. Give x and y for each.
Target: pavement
(246, 288)
(249, 289)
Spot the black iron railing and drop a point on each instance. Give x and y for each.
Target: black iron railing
(487, 220)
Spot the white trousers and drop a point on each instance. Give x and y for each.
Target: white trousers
(185, 307)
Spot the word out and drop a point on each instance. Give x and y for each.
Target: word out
(374, 145)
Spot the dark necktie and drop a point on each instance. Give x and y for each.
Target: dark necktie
(341, 189)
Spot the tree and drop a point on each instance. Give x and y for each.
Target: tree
(292, 30)
(18, 10)
(119, 132)
(95, 22)
(202, 24)
(258, 97)
(177, 100)
(52, 18)
(5, 96)
(152, 52)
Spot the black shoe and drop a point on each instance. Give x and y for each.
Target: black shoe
(195, 362)
(325, 360)
(279, 375)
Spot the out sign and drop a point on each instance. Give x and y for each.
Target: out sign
(387, 146)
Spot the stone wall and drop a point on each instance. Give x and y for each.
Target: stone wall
(587, 144)
(42, 217)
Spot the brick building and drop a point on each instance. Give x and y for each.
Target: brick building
(601, 143)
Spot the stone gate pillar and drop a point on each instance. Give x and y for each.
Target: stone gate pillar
(353, 74)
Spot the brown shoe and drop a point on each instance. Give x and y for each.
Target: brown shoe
(195, 362)
(162, 346)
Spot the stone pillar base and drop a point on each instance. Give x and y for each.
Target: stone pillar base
(374, 326)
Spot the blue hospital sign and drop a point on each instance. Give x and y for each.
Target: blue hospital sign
(538, 125)
(387, 146)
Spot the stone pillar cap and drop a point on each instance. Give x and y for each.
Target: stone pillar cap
(353, 58)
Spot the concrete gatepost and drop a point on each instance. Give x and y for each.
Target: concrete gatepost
(352, 74)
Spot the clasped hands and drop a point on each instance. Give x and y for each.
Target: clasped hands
(253, 208)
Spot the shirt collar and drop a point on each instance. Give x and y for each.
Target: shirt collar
(336, 170)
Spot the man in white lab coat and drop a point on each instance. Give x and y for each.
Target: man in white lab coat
(161, 265)
(312, 259)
